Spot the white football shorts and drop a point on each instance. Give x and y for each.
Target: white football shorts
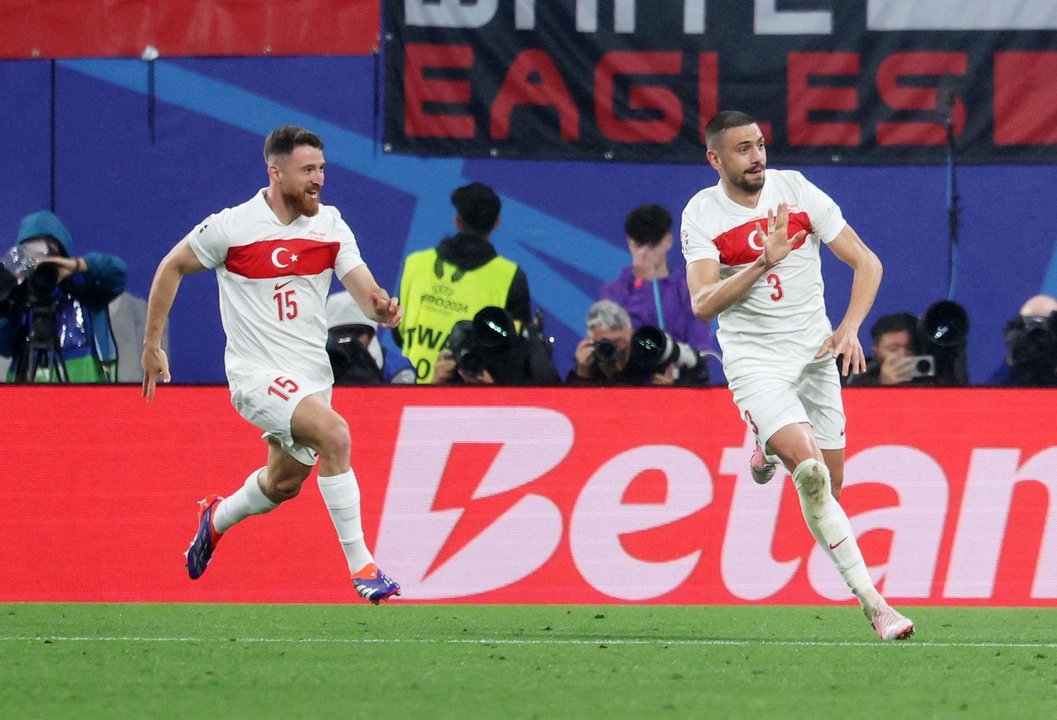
(268, 401)
(773, 396)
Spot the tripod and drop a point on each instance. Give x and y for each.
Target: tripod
(954, 210)
(39, 358)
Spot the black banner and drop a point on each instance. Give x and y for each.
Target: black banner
(863, 81)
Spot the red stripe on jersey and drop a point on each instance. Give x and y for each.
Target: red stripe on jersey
(279, 258)
(741, 245)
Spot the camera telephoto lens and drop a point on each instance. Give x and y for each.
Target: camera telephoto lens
(605, 351)
(471, 363)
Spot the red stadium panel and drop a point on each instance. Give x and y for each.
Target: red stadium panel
(124, 28)
(530, 496)
(1025, 85)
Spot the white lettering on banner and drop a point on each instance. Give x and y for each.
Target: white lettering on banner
(411, 534)
(981, 528)
(457, 14)
(916, 523)
(881, 15)
(694, 17)
(525, 14)
(623, 16)
(769, 20)
(961, 15)
(449, 13)
(747, 563)
(600, 517)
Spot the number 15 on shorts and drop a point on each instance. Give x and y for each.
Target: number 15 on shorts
(281, 384)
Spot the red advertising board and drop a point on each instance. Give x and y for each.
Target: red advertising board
(125, 28)
(530, 496)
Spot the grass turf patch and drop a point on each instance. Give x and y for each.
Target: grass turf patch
(438, 661)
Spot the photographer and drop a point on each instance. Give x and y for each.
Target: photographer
(913, 352)
(489, 350)
(1031, 344)
(894, 359)
(53, 305)
(612, 354)
(455, 279)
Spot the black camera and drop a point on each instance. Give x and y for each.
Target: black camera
(490, 333)
(350, 359)
(943, 333)
(1032, 345)
(28, 287)
(23, 279)
(606, 352)
(492, 342)
(653, 350)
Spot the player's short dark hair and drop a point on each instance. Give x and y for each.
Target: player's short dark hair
(478, 207)
(896, 322)
(648, 224)
(724, 121)
(283, 139)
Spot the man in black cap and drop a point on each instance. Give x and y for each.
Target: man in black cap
(456, 279)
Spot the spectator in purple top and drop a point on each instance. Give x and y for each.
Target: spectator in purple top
(651, 291)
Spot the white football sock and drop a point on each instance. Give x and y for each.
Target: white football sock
(342, 497)
(829, 525)
(247, 500)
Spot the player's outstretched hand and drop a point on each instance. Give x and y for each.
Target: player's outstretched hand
(776, 241)
(387, 310)
(155, 364)
(844, 343)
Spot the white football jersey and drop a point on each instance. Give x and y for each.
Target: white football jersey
(274, 280)
(783, 315)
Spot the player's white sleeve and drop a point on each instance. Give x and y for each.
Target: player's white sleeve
(826, 218)
(208, 241)
(696, 244)
(348, 257)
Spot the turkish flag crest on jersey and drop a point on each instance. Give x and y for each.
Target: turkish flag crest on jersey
(742, 244)
(280, 258)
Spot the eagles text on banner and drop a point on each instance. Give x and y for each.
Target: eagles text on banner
(880, 81)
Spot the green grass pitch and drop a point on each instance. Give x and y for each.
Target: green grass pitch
(223, 662)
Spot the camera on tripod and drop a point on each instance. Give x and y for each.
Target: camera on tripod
(29, 286)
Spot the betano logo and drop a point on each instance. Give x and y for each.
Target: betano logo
(448, 533)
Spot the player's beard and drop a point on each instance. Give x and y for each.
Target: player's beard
(750, 185)
(301, 202)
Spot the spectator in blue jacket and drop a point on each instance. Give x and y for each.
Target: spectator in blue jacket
(53, 312)
(653, 293)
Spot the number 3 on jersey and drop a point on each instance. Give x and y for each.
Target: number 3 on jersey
(775, 282)
(285, 305)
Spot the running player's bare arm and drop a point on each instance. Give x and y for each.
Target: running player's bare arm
(852, 251)
(372, 298)
(180, 261)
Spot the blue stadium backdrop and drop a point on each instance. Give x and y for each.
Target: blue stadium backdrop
(132, 154)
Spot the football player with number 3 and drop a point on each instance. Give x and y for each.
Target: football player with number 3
(752, 247)
(274, 257)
